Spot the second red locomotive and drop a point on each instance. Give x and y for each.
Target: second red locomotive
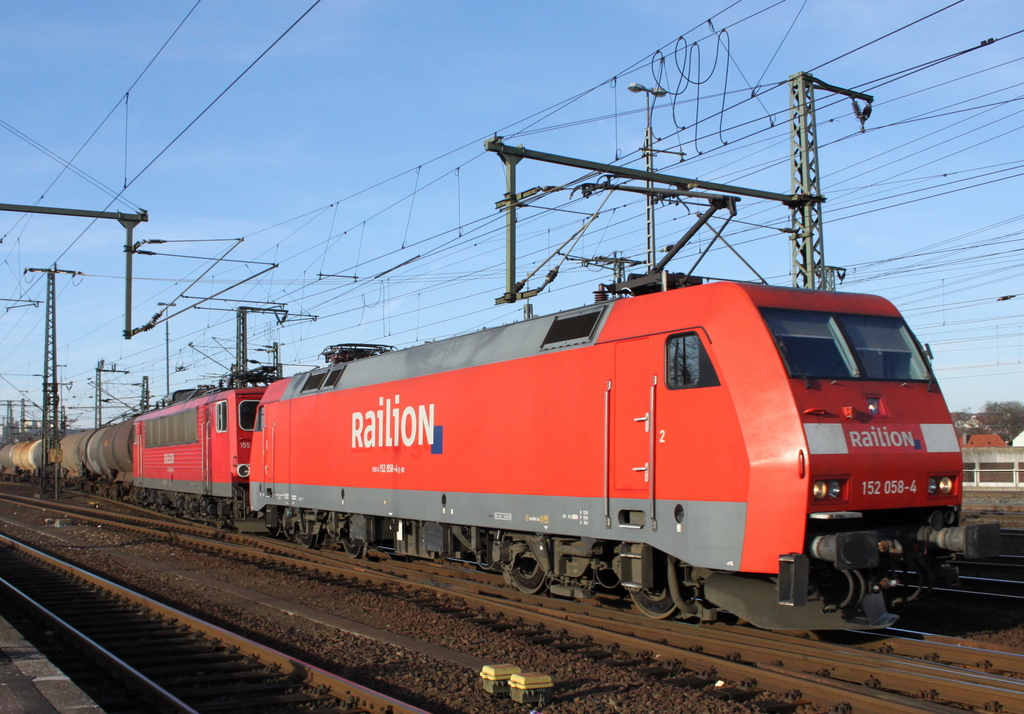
(192, 457)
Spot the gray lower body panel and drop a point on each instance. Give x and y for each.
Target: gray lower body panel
(707, 534)
(222, 490)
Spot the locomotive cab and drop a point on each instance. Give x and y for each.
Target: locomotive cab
(881, 467)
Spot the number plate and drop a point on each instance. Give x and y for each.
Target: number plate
(887, 488)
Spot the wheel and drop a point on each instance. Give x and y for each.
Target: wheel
(307, 540)
(656, 604)
(353, 548)
(526, 575)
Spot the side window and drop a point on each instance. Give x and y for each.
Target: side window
(180, 428)
(222, 417)
(313, 381)
(259, 419)
(687, 363)
(333, 376)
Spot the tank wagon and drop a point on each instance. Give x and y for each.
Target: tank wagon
(107, 452)
(27, 455)
(21, 458)
(73, 453)
(7, 459)
(783, 455)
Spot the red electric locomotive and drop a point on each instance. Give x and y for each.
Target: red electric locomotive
(785, 455)
(192, 457)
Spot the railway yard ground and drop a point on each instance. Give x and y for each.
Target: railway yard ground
(427, 650)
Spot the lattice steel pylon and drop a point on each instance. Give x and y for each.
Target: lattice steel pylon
(241, 375)
(808, 246)
(51, 393)
(809, 269)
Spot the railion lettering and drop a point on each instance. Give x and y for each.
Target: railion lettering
(393, 425)
(875, 437)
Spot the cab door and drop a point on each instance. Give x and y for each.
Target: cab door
(204, 449)
(261, 478)
(221, 429)
(269, 458)
(632, 420)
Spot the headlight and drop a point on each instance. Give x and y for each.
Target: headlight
(942, 485)
(827, 489)
(243, 470)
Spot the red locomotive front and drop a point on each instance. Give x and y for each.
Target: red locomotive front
(868, 434)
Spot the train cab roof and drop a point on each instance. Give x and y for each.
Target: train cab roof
(726, 305)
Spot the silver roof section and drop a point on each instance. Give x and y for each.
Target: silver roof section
(488, 346)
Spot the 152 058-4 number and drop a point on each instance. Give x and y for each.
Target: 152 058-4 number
(892, 486)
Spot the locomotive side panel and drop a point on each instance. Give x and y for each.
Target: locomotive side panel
(701, 462)
(169, 449)
(456, 447)
(457, 432)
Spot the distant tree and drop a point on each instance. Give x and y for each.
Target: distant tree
(1003, 418)
(966, 422)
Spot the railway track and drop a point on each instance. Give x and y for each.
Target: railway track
(1013, 542)
(995, 581)
(887, 672)
(1009, 513)
(163, 659)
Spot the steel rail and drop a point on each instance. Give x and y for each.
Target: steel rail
(759, 648)
(818, 662)
(344, 690)
(164, 700)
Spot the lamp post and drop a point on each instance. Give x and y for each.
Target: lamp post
(167, 345)
(649, 165)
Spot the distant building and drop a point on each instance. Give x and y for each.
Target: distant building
(994, 468)
(27, 430)
(984, 441)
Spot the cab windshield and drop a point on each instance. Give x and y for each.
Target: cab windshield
(839, 346)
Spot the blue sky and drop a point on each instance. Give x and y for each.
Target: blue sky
(354, 145)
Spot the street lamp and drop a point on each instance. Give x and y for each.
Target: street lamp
(167, 345)
(649, 165)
